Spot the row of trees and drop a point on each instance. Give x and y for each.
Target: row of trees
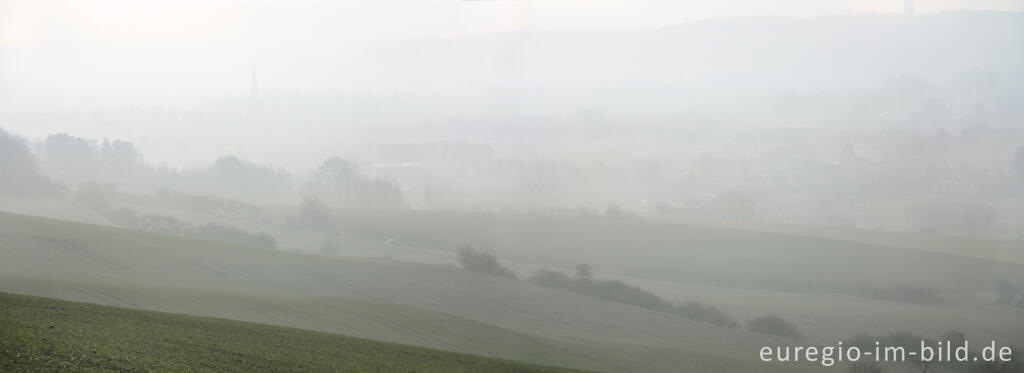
(339, 183)
(967, 217)
(77, 161)
(20, 175)
(620, 292)
(472, 260)
(774, 325)
(584, 283)
(98, 198)
(209, 231)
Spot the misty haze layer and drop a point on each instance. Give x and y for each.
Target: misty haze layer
(539, 182)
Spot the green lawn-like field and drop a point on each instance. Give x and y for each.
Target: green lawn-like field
(423, 305)
(442, 307)
(41, 334)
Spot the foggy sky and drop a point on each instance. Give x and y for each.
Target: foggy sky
(428, 60)
(296, 22)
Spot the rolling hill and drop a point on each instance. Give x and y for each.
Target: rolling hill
(442, 307)
(423, 305)
(709, 254)
(41, 334)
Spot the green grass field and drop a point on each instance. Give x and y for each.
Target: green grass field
(423, 305)
(442, 307)
(41, 334)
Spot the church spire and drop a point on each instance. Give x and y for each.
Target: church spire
(254, 89)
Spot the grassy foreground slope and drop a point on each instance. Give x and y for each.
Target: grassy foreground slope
(424, 305)
(41, 334)
(62, 208)
(822, 317)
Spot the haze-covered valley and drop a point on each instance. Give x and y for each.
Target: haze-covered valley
(628, 199)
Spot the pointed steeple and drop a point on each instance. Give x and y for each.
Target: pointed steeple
(254, 89)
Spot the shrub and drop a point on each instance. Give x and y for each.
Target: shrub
(584, 272)
(204, 203)
(330, 246)
(774, 325)
(550, 279)
(617, 291)
(232, 235)
(472, 260)
(706, 313)
(159, 224)
(314, 214)
(210, 231)
(20, 174)
(615, 212)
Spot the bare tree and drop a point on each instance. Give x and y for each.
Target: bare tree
(584, 272)
(314, 214)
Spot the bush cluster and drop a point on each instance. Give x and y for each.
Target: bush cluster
(618, 291)
(209, 231)
(481, 262)
(774, 325)
(228, 234)
(705, 312)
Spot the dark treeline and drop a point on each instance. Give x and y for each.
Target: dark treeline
(63, 163)
(209, 231)
(20, 174)
(774, 325)
(943, 197)
(104, 200)
(472, 260)
(699, 256)
(340, 183)
(76, 161)
(584, 283)
(618, 291)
